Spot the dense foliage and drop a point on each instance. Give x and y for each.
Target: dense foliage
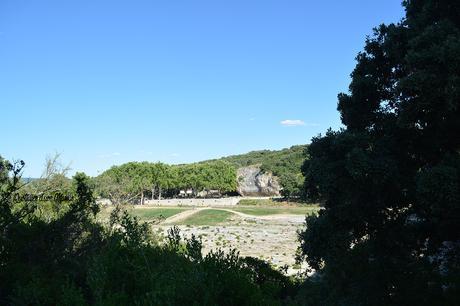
(285, 164)
(135, 179)
(390, 180)
(71, 259)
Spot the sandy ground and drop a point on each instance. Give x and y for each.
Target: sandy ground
(272, 238)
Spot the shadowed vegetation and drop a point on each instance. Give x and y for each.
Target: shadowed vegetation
(389, 180)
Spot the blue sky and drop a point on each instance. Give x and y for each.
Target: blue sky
(106, 82)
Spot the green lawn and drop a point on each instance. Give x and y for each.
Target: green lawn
(208, 217)
(257, 202)
(271, 202)
(263, 211)
(216, 216)
(145, 214)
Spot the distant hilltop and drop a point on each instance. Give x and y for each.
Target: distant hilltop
(269, 172)
(269, 159)
(257, 173)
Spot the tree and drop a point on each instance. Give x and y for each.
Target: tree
(224, 177)
(159, 178)
(140, 173)
(131, 180)
(53, 185)
(124, 183)
(112, 184)
(390, 180)
(291, 185)
(153, 178)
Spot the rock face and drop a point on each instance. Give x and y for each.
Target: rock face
(252, 182)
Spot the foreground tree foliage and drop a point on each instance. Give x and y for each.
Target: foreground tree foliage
(390, 181)
(71, 259)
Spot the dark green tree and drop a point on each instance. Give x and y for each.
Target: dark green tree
(116, 184)
(291, 185)
(390, 180)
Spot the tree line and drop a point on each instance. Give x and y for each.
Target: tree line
(137, 180)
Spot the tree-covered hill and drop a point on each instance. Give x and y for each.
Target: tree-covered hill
(285, 164)
(271, 160)
(135, 180)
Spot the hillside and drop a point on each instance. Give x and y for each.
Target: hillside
(276, 161)
(257, 173)
(285, 164)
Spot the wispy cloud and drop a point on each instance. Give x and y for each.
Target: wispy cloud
(296, 122)
(175, 155)
(290, 122)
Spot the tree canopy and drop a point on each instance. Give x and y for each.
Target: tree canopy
(390, 180)
(135, 180)
(132, 180)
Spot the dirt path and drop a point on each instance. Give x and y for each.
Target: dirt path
(278, 217)
(183, 215)
(272, 238)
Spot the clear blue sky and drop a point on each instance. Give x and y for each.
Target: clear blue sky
(105, 82)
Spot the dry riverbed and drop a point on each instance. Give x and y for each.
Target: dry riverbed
(271, 237)
(267, 232)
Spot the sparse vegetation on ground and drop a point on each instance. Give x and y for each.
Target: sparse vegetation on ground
(264, 211)
(150, 213)
(273, 202)
(208, 217)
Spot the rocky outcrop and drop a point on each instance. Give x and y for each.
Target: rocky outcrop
(253, 182)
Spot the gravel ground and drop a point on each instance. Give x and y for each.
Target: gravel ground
(272, 238)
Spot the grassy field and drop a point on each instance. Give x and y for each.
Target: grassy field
(271, 202)
(152, 213)
(145, 214)
(263, 211)
(258, 207)
(208, 217)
